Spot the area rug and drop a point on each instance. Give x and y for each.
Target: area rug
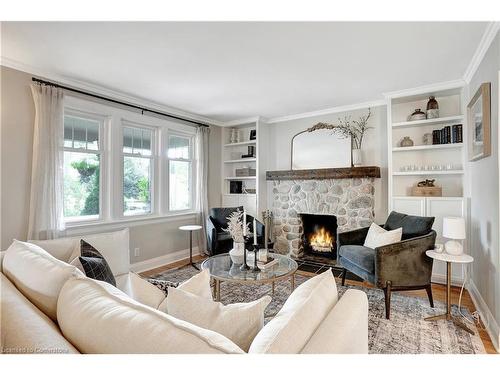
(405, 333)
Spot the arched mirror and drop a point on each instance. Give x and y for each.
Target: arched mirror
(320, 149)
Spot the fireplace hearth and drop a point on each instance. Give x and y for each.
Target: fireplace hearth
(319, 235)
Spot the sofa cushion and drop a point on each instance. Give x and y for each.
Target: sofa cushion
(60, 248)
(362, 256)
(239, 322)
(25, 329)
(290, 330)
(378, 236)
(413, 226)
(125, 326)
(345, 328)
(114, 246)
(37, 274)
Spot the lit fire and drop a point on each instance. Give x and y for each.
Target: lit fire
(321, 240)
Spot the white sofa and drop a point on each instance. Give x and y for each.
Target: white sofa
(49, 306)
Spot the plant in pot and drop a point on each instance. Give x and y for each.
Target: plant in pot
(235, 224)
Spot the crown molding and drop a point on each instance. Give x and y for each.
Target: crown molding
(241, 121)
(485, 43)
(448, 85)
(327, 111)
(103, 91)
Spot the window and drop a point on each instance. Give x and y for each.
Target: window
(137, 170)
(179, 172)
(82, 157)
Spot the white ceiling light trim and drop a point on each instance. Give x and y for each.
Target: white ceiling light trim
(103, 91)
(488, 37)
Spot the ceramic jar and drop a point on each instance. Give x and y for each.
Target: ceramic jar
(406, 142)
(432, 108)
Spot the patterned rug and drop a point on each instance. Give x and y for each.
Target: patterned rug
(405, 333)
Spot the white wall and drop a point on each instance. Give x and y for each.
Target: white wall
(484, 202)
(374, 147)
(17, 118)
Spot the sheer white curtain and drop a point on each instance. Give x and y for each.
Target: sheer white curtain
(46, 199)
(201, 143)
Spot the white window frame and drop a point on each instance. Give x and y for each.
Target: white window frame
(192, 169)
(111, 167)
(101, 151)
(153, 169)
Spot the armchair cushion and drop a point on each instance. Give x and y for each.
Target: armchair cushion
(361, 256)
(413, 226)
(378, 236)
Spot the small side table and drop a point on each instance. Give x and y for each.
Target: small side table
(191, 229)
(449, 259)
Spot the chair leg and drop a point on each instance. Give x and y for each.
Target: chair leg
(387, 295)
(428, 289)
(344, 272)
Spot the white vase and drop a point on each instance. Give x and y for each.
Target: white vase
(357, 157)
(236, 252)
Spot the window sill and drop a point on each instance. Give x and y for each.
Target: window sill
(90, 227)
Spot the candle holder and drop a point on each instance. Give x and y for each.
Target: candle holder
(256, 253)
(244, 266)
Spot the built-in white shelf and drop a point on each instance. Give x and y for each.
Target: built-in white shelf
(242, 160)
(240, 178)
(428, 173)
(246, 143)
(442, 120)
(428, 147)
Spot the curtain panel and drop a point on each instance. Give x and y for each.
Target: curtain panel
(46, 219)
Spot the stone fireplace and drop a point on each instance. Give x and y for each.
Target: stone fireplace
(298, 197)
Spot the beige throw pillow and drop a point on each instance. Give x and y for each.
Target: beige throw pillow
(239, 322)
(290, 330)
(378, 236)
(198, 285)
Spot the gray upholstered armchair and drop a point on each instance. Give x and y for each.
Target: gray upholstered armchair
(398, 266)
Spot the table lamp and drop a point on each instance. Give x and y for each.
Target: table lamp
(454, 229)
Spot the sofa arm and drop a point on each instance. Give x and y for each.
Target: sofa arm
(352, 237)
(345, 328)
(405, 263)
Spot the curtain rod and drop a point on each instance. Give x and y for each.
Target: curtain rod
(142, 109)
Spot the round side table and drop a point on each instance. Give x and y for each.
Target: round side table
(449, 259)
(191, 229)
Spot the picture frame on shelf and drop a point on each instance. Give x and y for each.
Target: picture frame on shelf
(479, 123)
(253, 134)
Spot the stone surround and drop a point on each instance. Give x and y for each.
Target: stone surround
(350, 199)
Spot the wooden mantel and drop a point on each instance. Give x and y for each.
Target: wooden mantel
(324, 174)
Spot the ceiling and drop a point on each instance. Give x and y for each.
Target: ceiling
(232, 70)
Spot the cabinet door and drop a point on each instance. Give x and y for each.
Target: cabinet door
(409, 205)
(439, 207)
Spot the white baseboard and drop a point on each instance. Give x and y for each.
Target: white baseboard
(486, 316)
(163, 260)
(441, 279)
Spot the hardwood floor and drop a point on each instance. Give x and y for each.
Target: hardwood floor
(438, 291)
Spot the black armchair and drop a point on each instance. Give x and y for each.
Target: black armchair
(220, 241)
(398, 266)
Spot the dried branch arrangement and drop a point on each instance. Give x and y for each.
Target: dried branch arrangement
(235, 226)
(347, 128)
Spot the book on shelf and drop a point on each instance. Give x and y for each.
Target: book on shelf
(448, 134)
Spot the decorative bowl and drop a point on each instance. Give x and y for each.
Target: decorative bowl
(236, 256)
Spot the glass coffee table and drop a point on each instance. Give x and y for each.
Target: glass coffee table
(222, 268)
